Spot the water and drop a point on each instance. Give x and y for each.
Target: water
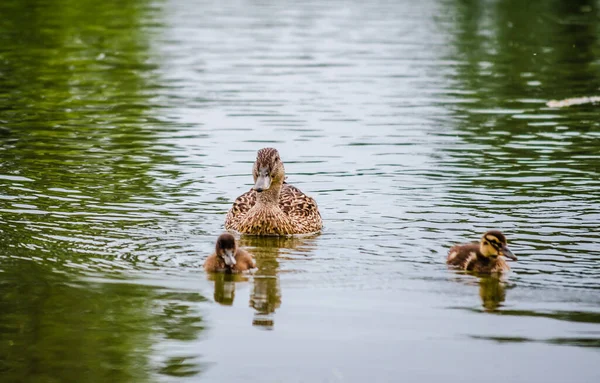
(127, 128)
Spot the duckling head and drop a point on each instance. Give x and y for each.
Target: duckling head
(226, 248)
(493, 244)
(268, 170)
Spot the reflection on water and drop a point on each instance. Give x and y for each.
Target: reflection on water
(492, 288)
(224, 292)
(580, 342)
(80, 141)
(522, 166)
(107, 328)
(570, 316)
(265, 294)
(128, 127)
(265, 298)
(492, 292)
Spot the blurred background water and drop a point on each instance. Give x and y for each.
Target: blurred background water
(128, 127)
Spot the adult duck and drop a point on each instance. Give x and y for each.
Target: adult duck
(273, 207)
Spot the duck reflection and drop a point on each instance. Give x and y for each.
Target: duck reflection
(265, 298)
(492, 288)
(492, 291)
(265, 295)
(225, 286)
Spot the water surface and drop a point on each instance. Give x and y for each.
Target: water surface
(128, 128)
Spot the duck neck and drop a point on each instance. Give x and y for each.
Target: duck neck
(266, 217)
(269, 197)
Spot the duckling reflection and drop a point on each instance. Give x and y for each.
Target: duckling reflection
(265, 295)
(492, 292)
(492, 288)
(225, 286)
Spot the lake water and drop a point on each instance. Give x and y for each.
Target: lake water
(127, 128)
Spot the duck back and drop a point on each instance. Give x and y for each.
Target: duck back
(297, 213)
(468, 257)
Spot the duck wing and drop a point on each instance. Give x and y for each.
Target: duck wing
(240, 207)
(302, 209)
(463, 255)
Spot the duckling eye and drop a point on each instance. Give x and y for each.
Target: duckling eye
(485, 243)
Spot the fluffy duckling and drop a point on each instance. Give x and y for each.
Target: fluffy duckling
(227, 257)
(273, 207)
(482, 257)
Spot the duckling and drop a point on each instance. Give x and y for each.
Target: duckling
(228, 257)
(273, 207)
(482, 257)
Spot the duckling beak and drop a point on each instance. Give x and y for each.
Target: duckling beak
(229, 257)
(263, 182)
(507, 253)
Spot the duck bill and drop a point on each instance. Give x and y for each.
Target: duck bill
(508, 254)
(263, 182)
(229, 258)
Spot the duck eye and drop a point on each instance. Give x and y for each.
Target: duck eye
(485, 243)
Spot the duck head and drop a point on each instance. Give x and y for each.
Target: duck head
(268, 171)
(493, 244)
(226, 248)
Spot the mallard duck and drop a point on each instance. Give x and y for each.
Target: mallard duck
(273, 207)
(482, 257)
(228, 257)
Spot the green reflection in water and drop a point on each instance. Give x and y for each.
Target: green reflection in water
(78, 139)
(512, 58)
(575, 341)
(523, 167)
(78, 142)
(56, 328)
(569, 316)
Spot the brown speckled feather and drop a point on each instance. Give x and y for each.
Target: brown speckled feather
(301, 210)
(469, 257)
(243, 203)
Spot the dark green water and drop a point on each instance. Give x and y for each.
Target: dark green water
(127, 128)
